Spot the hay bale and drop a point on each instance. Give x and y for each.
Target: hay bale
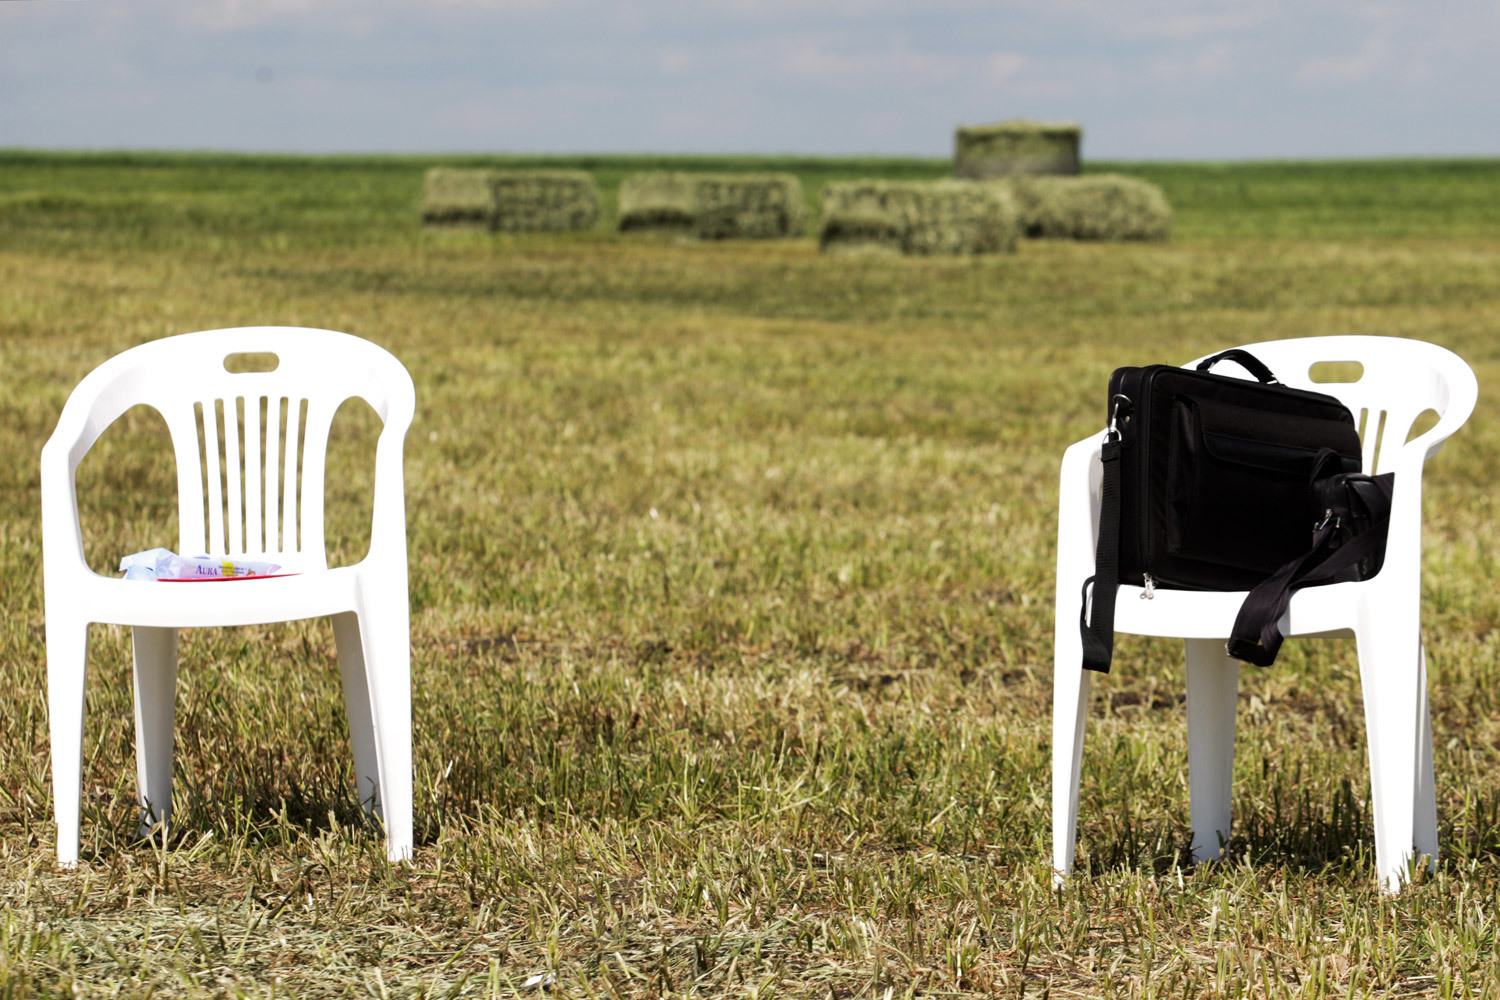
(915, 217)
(713, 206)
(1016, 147)
(458, 198)
(1107, 207)
(748, 206)
(658, 201)
(544, 200)
(510, 200)
(850, 224)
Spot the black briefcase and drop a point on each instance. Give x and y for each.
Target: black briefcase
(1206, 481)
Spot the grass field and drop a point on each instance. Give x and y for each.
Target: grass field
(731, 578)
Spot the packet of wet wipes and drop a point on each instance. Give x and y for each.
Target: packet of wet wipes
(142, 565)
(163, 564)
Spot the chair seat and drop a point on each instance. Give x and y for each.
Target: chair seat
(1204, 614)
(314, 594)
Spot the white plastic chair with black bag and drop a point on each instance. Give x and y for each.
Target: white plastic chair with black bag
(1399, 381)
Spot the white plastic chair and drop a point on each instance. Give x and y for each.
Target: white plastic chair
(265, 511)
(1401, 380)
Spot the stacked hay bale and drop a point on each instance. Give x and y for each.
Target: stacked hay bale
(1107, 207)
(748, 206)
(657, 202)
(1016, 147)
(510, 200)
(712, 206)
(545, 201)
(941, 217)
(458, 198)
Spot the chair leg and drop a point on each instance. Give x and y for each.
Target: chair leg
(385, 639)
(1070, 700)
(1077, 532)
(357, 702)
(1426, 827)
(1212, 693)
(67, 674)
(155, 657)
(1389, 667)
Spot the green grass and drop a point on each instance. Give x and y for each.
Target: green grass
(731, 587)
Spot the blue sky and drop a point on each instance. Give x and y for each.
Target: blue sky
(1167, 79)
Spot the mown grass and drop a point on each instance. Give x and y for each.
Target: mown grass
(731, 587)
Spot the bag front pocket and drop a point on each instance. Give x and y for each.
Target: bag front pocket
(1237, 482)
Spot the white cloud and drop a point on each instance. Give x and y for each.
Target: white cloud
(1169, 20)
(843, 10)
(809, 59)
(218, 16)
(704, 124)
(815, 58)
(674, 61)
(1004, 65)
(1215, 59)
(497, 6)
(1354, 67)
(477, 117)
(1188, 26)
(880, 124)
(347, 17)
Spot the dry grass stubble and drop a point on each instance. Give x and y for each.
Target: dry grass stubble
(731, 578)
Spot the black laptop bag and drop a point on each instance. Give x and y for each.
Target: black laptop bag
(1206, 482)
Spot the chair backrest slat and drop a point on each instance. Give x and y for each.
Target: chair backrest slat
(214, 543)
(254, 524)
(290, 538)
(273, 542)
(234, 491)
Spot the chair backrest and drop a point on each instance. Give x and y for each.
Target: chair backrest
(1400, 380)
(250, 445)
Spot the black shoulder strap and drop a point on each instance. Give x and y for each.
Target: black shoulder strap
(1099, 638)
(1256, 637)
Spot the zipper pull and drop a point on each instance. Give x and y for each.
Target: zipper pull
(1118, 403)
(1149, 594)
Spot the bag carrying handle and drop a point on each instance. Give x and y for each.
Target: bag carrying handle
(1245, 360)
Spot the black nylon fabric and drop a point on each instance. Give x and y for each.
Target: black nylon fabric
(1214, 474)
(1205, 485)
(1349, 542)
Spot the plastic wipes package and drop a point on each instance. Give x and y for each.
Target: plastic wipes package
(164, 564)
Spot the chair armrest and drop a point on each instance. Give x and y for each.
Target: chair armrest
(1403, 549)
(388, 509)
(1078, 512)
(62, 536)
(1460, 390)
(1081, 481)
(97, 402)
